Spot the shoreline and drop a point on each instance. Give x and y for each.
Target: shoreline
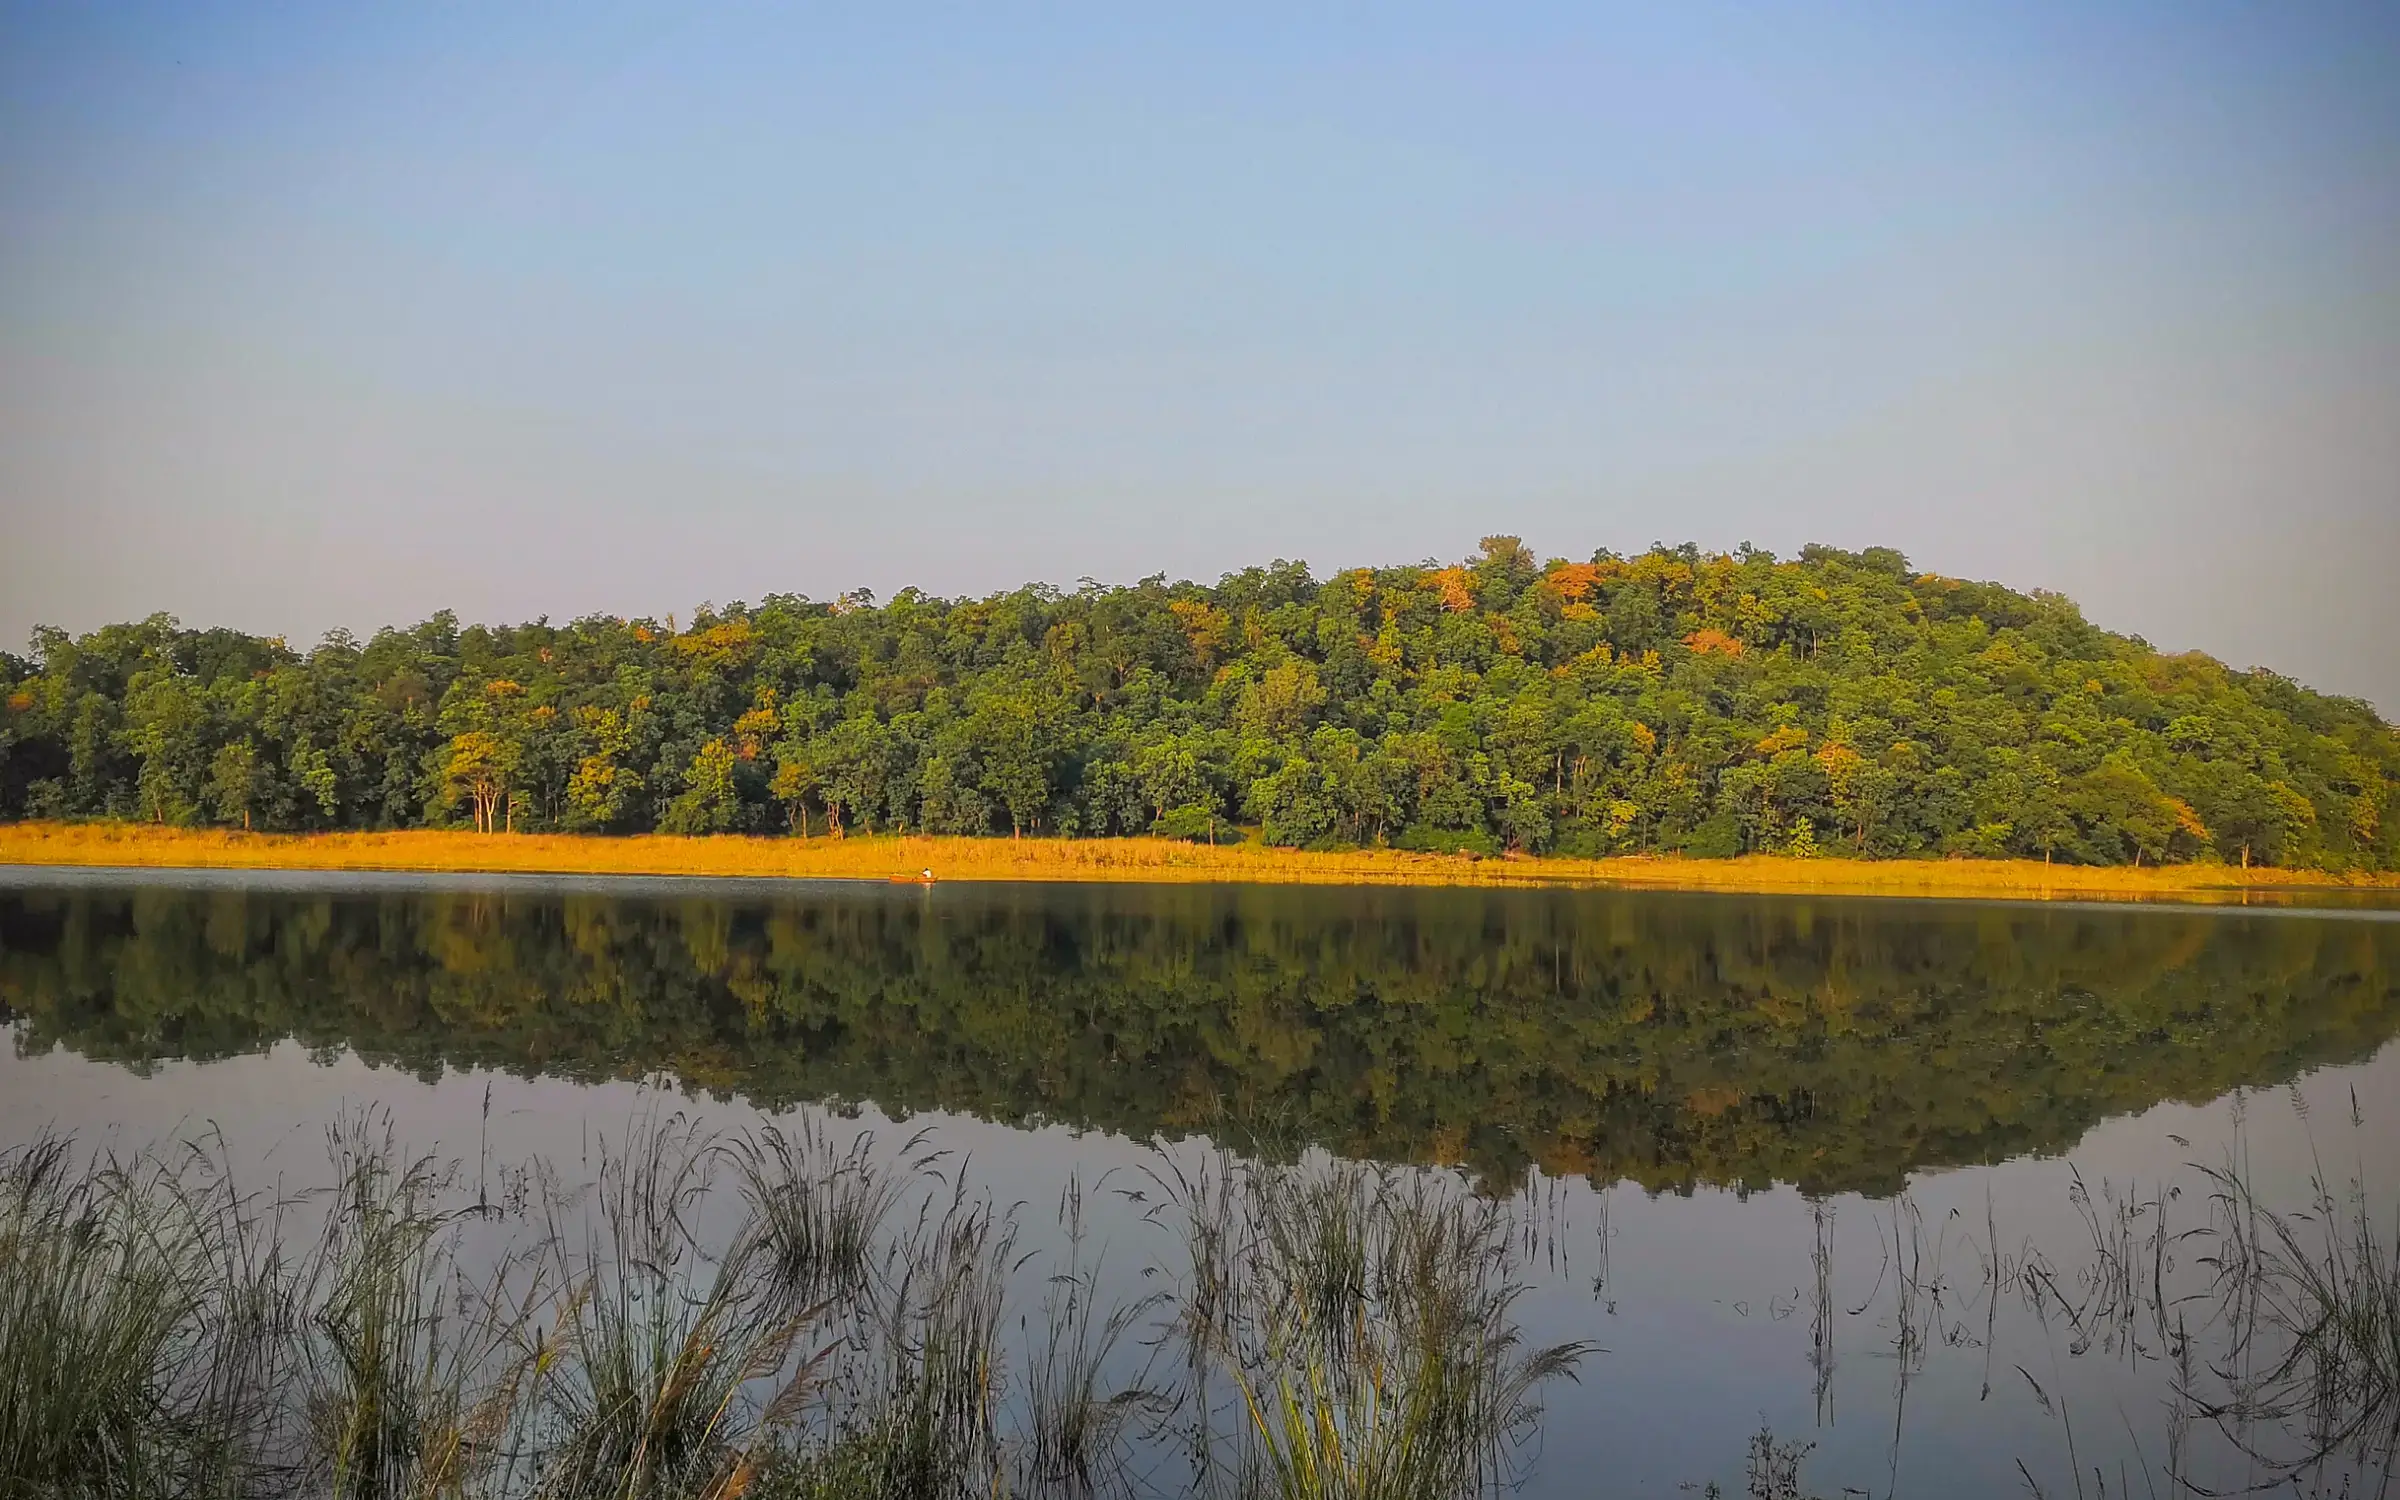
(885, 858)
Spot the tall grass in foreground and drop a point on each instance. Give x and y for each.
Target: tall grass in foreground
(1076, 1419)
(718, 1317)
(665, 1341)
(2283, 1341)
(714, 1317)
(142, 1330)
(2278, 1332)
(2312, 1303)
(1364, 1320)
(412, 1374)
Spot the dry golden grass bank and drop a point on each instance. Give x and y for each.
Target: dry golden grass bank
(886, 858)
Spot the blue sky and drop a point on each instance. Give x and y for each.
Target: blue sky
(315, 316)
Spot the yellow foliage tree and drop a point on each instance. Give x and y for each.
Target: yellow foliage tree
(477, 770)
(1452, 584)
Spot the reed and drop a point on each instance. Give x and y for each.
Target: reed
(720, 1316)
(660, 1337)
(1368, 1328)
(1773, 1470)
(412, 1372)
(2313, 1300)
(821, 1207)
(1075, 1421)
(920, 1418)
(137, 1333)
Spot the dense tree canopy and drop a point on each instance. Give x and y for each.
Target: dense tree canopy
(1672, 701)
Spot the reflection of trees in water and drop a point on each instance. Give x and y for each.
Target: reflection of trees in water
(1837, 1045)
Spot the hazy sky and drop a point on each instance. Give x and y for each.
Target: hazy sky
(341, 315)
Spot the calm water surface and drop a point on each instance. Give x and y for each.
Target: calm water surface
(1867, 1173)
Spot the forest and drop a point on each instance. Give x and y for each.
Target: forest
(1838, 704)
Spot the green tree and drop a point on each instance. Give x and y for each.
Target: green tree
(2120, 813)
(708, 802)
(312, 772)
(1295, 804)
(233, 781)
(603, 787)
(854, 765)
(794, 783)
(1017, 754)
(167, 728)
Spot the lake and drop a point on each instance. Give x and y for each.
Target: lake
(1963, 1198)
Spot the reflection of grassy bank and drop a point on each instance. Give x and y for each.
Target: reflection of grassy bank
(1159, 860)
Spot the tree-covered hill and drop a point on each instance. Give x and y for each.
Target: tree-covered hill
(1837, 703)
